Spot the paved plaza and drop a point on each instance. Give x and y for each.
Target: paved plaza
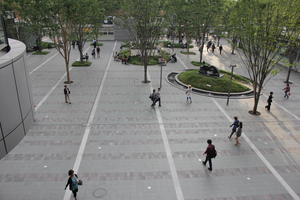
(123, 149)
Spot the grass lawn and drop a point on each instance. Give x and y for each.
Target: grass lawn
(222, 84)
(136, 60)
(235, 76)
(40, 53)
(81, 64)
(188, 53)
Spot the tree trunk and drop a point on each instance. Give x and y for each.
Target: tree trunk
(289, 73)
(80, 49)
(68, 73)
(257, 92)
(39, 43)
(145, 67)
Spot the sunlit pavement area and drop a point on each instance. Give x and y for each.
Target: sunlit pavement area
(124, 149)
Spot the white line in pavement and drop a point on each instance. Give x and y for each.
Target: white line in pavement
(42, 64)
(173, 170)
(283, 108)
(53, 88)
(263, 159)
(255, 149)
(184, 65)
(90, 121)
(50, 91)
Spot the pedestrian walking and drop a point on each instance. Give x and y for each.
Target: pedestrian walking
(234, 126)
(188, 94)
(208, 45)
(220, 49)
(95, 43)
(152, 97)
(93, 53)
(73, 44)
(98, 52)
(287, 91)
(210, 153)
(268, 107)
(73, 183)
(67, 94)
(213, 47)
(157, 97)
(238, 133)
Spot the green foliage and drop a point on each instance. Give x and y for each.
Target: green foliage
(165, 55)
(188, 52)
(169, 44)
(98, 44)
(137, 60)
(81, 64)
(40, 53)
(234, 76)
(125, 53)
(47, 45)
(222, 84)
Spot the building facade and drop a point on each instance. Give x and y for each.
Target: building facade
(16, 110)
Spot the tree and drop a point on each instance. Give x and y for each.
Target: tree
(86, 20)
(292, 33)
(204, 19)
(259, 27)
(61, 28)
(144, 19)
(32, 15)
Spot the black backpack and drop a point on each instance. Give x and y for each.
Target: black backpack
(213, 153)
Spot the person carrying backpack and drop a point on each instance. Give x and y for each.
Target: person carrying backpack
(238, 133)
(73, 183)
(210, 153)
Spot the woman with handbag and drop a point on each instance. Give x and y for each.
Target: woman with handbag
(73, 183)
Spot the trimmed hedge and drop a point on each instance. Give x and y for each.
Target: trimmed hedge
(169, 44)
(188, 53)
(137, 60)
(81, 64)
(40, 53)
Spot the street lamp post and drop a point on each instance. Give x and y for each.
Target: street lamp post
(162, 63)
(229, 90)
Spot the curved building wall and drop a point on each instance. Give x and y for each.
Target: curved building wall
(16, 113)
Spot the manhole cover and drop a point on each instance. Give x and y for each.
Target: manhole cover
(100, 193)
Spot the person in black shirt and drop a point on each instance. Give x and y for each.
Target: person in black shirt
(210, 153)
(268, 107)
(67, 94)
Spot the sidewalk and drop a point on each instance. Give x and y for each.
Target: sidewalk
(135, 152)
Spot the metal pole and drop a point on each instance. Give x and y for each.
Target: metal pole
(160, 74)
(228, 96)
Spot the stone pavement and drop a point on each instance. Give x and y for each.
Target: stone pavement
(124, 149)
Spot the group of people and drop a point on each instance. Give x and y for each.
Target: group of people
(212, 45)
(211, 152)
(287, 93)
(96, 49)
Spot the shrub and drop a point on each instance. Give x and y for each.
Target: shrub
(47, 45)
(81, 64)
(40, 53)
(188, 53)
